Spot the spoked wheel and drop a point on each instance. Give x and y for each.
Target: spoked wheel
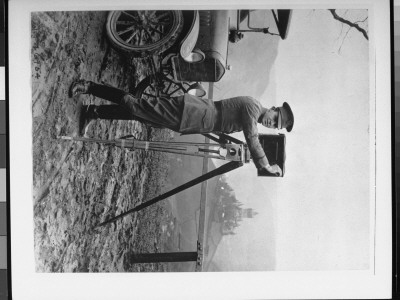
(145, 32)
(162, 85)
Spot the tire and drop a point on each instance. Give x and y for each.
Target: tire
(143, 33)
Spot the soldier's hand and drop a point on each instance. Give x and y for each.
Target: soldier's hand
(274, 169)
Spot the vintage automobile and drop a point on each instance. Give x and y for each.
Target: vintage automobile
(185, 47)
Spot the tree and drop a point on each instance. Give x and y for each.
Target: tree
(349, 23)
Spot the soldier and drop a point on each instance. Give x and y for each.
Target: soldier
(189, 114)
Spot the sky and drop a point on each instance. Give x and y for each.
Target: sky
(317, 217)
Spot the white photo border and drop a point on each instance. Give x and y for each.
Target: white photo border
(27, 284)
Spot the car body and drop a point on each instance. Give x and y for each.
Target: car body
(192, 45)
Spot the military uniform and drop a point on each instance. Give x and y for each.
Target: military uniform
(186, 114)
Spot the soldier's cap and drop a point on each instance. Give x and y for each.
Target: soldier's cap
(285, 117)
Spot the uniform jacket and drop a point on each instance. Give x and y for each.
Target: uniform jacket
(238, 114)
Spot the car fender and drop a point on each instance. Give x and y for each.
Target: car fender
(189, 41)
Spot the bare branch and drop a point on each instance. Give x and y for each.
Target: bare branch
(351, 24)
(362, 21)
(340, 48)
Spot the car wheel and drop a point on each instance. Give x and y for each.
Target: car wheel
(144, 32)
(160, 85)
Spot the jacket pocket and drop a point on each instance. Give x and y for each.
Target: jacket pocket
(207, 121)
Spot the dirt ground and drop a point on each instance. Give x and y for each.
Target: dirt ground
(78, 185)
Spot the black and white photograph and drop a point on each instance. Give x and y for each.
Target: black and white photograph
(238, 141)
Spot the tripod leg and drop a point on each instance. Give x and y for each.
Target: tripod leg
(230, 138)
(162, 257)
(219, 171)
(222, 138)
(211, 137)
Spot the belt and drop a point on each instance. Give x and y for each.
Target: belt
(218, 116)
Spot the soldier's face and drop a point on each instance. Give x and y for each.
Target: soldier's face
(270, 118)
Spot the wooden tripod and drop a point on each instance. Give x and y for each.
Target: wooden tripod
(224, 147)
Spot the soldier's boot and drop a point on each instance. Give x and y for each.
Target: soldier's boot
(103, 91)
(79, 87)
(87, 113)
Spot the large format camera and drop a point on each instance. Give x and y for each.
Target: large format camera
(274, 148)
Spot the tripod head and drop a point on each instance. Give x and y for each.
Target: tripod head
(272, 144)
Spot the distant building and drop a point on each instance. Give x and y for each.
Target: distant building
(247, 212)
